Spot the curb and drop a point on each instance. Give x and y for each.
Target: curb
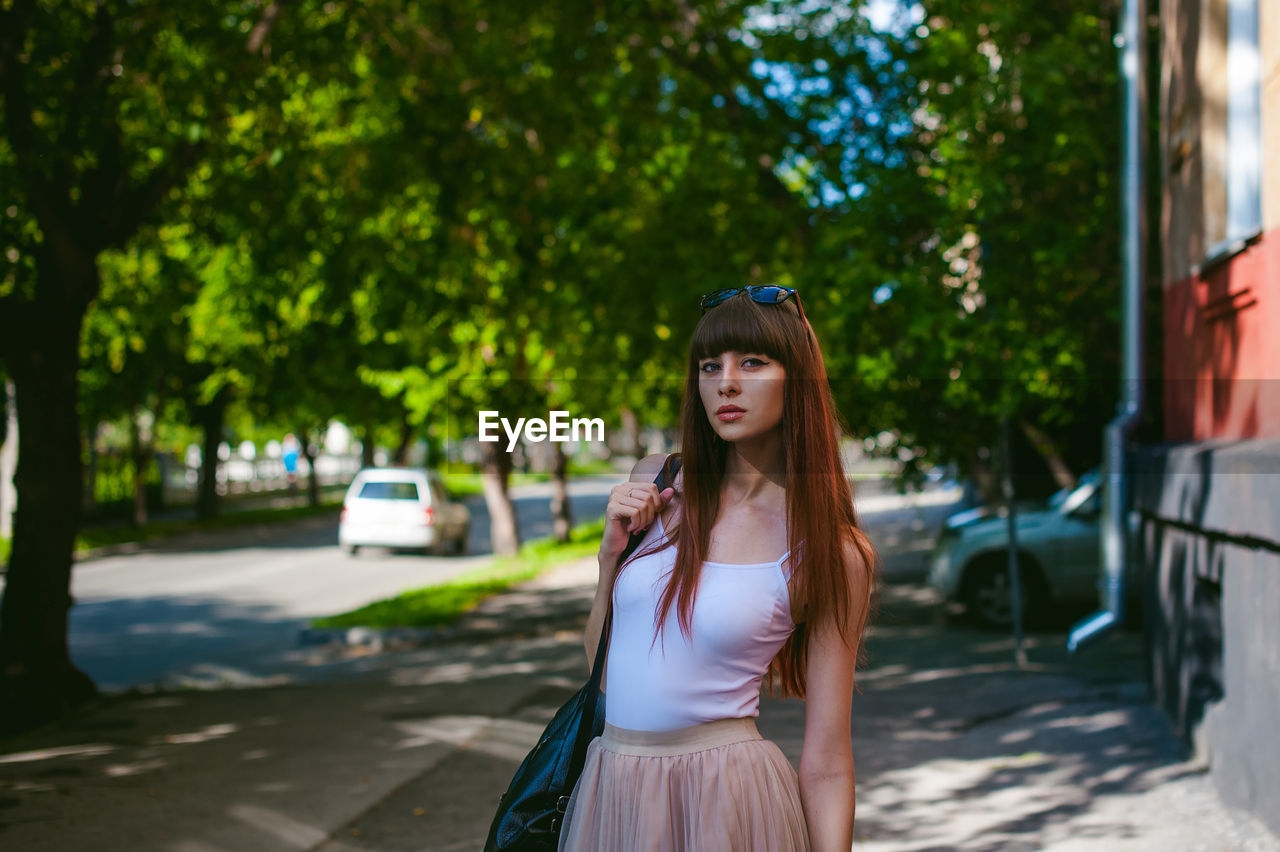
(255, 529)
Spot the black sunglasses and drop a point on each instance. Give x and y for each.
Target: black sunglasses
(765, 294)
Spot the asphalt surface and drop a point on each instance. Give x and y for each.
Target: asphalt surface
(228, 607)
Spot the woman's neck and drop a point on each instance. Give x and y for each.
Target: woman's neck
(754, 469)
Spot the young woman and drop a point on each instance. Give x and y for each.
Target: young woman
(753, 569)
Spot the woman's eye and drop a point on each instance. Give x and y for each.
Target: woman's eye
(757, 361)
(710, 366)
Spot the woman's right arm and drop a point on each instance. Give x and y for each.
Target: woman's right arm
(633, 505)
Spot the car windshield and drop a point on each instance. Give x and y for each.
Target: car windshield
(1059, 497)
(389, 491)
(1087, 480)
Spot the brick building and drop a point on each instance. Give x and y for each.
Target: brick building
(1209, 498)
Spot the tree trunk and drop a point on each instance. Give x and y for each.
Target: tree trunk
(211, 416)
(629, 441)
(561, 513)
(140, 455)
(8, 459)
(367, 448)
(1049, 452)
(403, 449)
(37, 680)
(89, 498)
(309, 452)
(495, 471)
(985, 479)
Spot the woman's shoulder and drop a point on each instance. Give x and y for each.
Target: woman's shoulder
(646, 470)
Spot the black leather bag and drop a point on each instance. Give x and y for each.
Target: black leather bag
(531, 812)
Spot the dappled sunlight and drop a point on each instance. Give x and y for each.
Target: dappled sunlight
(922, 734)
(277, 787)
(289, 832)
(1001, 768)
(199, 628)
(1020, 735)
(460, 673)
(506, 739)
(209, 733)
(160, 702)
(196, 846)
(122, 770)
(74, 751)
(888, 680)
(1092, 723)
(213, 676)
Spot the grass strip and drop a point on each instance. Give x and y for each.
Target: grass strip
(441, 604)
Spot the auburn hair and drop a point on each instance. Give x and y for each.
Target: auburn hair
(821, 521)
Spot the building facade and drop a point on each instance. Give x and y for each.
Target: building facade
(1208, 499)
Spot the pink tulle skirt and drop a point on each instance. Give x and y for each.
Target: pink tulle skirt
(714, 786)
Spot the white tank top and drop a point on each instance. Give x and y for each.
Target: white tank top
(741, 618)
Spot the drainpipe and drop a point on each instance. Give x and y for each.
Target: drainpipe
(1115, 524)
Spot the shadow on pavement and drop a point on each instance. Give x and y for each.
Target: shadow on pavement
(956, 749)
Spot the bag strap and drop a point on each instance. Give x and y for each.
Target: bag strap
(664, 480)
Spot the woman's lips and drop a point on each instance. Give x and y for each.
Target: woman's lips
(730, 416)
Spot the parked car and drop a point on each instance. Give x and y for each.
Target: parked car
(1058, 545)
(402, 508)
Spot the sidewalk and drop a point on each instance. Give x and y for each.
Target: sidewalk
(410, 750)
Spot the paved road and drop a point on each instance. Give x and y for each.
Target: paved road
(227, 607)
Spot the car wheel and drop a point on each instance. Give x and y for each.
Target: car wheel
(351, 549)
(986, 591)
(460, 543)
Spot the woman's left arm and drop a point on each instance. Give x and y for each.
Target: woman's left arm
(826, 760)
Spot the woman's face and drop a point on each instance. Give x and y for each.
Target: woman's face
(742, 393)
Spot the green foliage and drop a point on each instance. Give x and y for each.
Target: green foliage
(397, 215)
(976, 276)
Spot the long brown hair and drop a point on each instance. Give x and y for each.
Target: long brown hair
(821, 520)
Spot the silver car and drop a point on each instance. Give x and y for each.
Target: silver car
(402, 508)
(1058, 545)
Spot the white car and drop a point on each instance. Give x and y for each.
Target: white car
(1058, 545)
(402, 508)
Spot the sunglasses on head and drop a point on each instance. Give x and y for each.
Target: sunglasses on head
(765, 294)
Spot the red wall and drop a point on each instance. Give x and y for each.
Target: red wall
(1222, 348)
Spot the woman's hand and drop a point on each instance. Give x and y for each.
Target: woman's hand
(633, 506)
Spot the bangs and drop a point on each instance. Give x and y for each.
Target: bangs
(741, 325)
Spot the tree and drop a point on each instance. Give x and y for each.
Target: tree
(121, 93)
(978, 261)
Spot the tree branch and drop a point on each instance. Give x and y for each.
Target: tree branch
(258, 37)
(90, 83)
(131, 207)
